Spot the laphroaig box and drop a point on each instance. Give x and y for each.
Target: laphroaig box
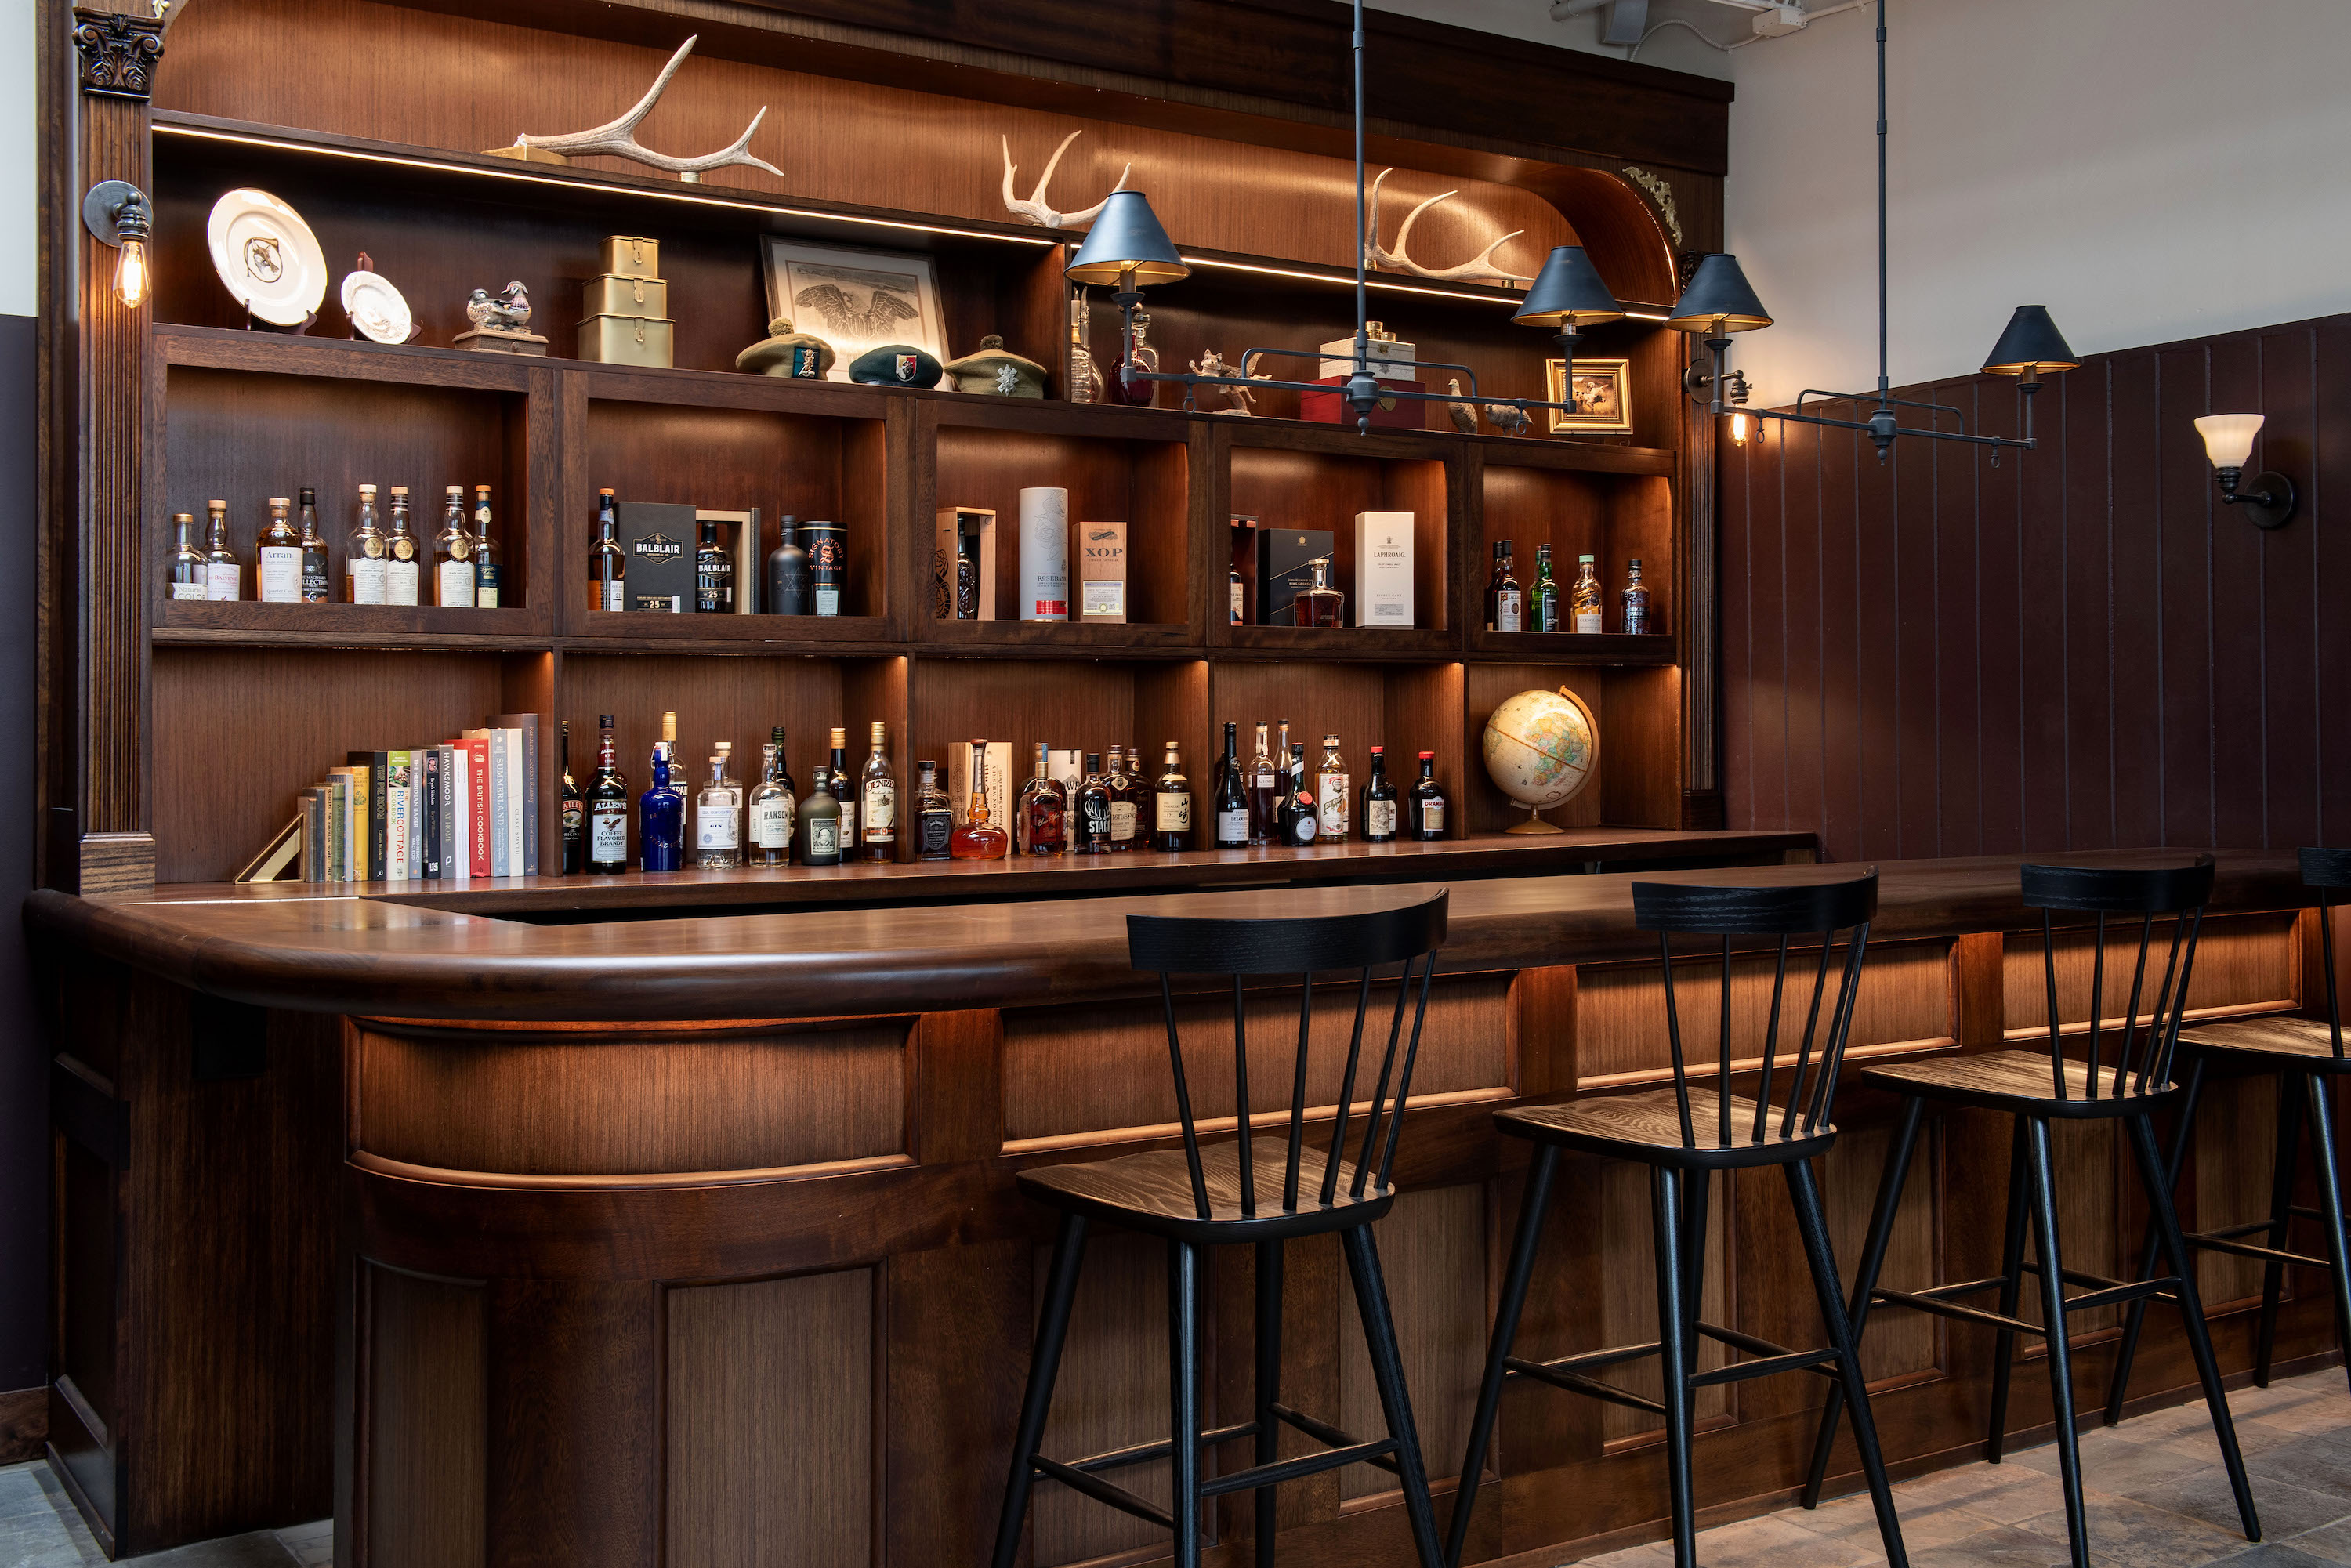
(1100, 559)
(1384, 568)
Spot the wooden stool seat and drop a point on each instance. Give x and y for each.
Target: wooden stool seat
(2305, 1044)
(2018, 1080)
(1647, 1126)
(1152, 1192)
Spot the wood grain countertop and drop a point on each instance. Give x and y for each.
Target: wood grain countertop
(298, 946)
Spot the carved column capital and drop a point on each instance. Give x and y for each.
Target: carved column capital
(118, 52)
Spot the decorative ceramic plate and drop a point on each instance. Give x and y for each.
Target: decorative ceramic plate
(267, 257)
(376, 308)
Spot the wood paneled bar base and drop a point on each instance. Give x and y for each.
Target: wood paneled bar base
(558, 1237)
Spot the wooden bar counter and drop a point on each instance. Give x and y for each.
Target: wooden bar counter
(518, 1229)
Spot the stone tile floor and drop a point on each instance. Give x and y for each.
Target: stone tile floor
(2153, 1486)
(2156, 1494)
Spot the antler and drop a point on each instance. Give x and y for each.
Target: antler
(1480, 266)
(618, 138)
(1034, 207)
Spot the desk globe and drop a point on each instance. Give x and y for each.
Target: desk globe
(1540, 750)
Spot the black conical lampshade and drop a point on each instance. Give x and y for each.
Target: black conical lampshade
(1126, 242)
(1718, 296)
(1568, 292)
(2031, 343)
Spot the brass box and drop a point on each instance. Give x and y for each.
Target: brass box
(615, 296)
(626, 340)
(630, 256)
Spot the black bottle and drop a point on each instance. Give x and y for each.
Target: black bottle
(788, 574)
(1089, 823)
(714, 574)
(1379, 801)
(1231, 799)
(575, 808)
(1427, 810)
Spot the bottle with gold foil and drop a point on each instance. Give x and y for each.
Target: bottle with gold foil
(877, 800)
(402, 570)
(485, 553)
(364, 556)
(453, 554)
(278, 557)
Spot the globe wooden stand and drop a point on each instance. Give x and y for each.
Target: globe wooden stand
(1535, 823)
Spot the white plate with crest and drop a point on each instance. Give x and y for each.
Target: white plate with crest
(267, 258)
(377, 308)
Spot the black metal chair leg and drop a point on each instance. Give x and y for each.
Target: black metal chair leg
(2330, 1204)
(1696, 1189)
(2053, 1309)
(1665, 1203)
(2289, 1148)
(1044, 1364)
(2192, 1312)
(2134, 1317)
(1267, 1387)
(2011, 1271)
(1531, 1208)
(1396, 1402)
(1184, 1398)
(1813, 1225)
(1891, 1183)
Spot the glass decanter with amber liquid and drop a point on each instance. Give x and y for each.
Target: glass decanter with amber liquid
(1319, 603)
(978, 838)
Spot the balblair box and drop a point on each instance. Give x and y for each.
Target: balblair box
(1281, 558)
(658, 540)
(1100, 557)
(1384, 568)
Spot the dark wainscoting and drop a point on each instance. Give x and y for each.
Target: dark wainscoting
(2081, 648)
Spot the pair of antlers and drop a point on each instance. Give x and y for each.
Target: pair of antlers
(1034, 206)
(1396, 260)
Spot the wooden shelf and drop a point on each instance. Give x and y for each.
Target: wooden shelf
(249, 623)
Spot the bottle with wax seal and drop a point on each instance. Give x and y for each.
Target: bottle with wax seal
(1040, 818)
(977, 839)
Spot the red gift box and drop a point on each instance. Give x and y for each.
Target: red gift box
(1389, 413)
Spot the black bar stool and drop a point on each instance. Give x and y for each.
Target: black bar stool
(2306, 1054)
(1684, 1136)
(1197, 1198)
(2036, 1089)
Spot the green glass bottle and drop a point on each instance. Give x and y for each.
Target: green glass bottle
(1546, 616)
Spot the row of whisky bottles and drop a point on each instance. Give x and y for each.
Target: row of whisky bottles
(380, 566)
(1510, 608)
(847, 817)
(806, 572)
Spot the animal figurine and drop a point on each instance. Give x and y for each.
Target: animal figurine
(1464, 416)
(1243, 399)
(1508, 417)
(507, 312)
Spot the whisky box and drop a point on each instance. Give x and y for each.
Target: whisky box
(1389, 413)
(658, 540)
(1281, 570)
(629, 255)
(1067, 768)
(738, 536)
(1100, 554)
(1045, 553)
(1386, 357)
(997, 774)
(1384, 568)
(978, 526)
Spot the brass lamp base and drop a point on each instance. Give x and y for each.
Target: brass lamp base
(1535, 823)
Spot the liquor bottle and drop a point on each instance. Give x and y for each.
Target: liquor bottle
(1427, 802)
(1585, 599)
(718, 815)
(1145, 359)
(453, 554)
(1125, 805)
(1505, 608)
(607, 567)
(1379, 801)
(224, 578)
(1232, 803)
(1319, 603)
(661, 821)
(187, 568)
(401, 566)
(1636, 603)
(1546, 605)
(277, 557)
(774, 810)
(363, 557)
(843, 795)
(1085, 376)
(1089, 822)
(933, 815)
(877, 802)
(572, 805)
(714, 574)
(1240, 595)
(1040, 818)
(820, 820)
(608, 806)
(318, 567)
(978, 838)
(788, 574)
(964, 590)
(1171, 814)
(1331, 802)
(485, 553)
(1301, 822)
(828, 559)
(1263, 783)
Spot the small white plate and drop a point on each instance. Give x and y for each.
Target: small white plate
(376, 308)
(267, 257)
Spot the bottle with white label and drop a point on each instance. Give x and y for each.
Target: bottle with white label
(278, 572)
(186, 574)
(1334, 804)
(403, 571)
(1232, 796)
(1505, 603)
(363, 557)
(773, 808)
(486, 555)
(607, 567)
(1584, 598)
(718, 816)
(1171, 818)
(224, 577)
(453, 554)
(877, 802)
(608, 807)
(1379, 801)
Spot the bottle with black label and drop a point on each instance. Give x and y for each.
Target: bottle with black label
(1089, 823)
(714, 574)
(844, 794)
(608, 806)
(1428, 804)
(1301, 820)
(317, 567)
(933, 816)
(788, 574)
(1232, 795)
(573, 804)
(1379, 801)
(1171, 816)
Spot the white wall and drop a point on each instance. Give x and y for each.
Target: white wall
(1673, 48)
(2149, 170)
(20, 249)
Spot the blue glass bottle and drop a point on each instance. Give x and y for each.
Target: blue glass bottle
(661, 821)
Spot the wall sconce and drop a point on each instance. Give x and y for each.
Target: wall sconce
(117, 213)
(2229, 443)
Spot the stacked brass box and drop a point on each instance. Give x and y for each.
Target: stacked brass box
(625, 311)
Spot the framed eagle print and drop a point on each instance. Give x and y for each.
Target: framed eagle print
(855, 299)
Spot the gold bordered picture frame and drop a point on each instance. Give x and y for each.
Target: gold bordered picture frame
(1603, 397)
(854, 300)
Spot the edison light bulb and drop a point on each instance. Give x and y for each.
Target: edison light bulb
(1738, 430)
(131, 274)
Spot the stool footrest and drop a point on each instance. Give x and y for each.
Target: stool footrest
(1753, 1346)
(1575, 1382)
(1103, 1492)
(1957, 1288)
(1144, 1453)
(1765, 1366)
(1942, 1309)
(1323, 1432)
(2218, 1241)
(2075, 1277)
(1299, 1469)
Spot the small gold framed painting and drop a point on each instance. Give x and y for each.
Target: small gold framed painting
(1601, 397)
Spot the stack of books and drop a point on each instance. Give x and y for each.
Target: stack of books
(466, 807)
